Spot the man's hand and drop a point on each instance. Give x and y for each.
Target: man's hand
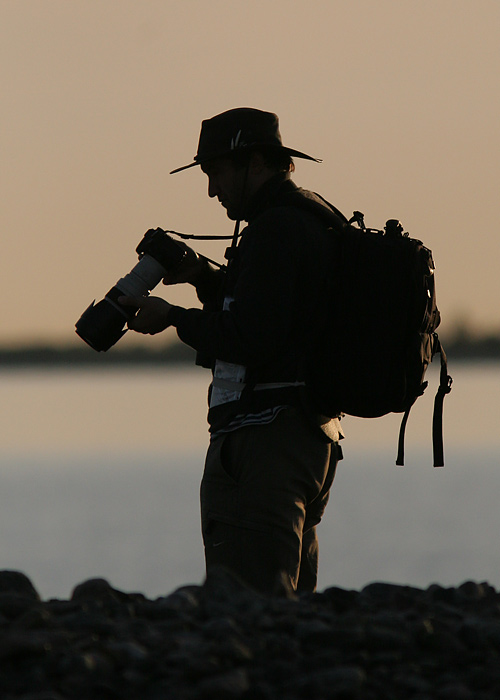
(152, 316)
(188, 269)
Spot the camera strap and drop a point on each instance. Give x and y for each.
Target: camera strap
(198, 237)
(230, 252)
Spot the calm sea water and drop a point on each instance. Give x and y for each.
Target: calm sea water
(100, 474)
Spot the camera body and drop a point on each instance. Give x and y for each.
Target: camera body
(101, 325)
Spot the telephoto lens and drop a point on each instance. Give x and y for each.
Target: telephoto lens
(103, 324)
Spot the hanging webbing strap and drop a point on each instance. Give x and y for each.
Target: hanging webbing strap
(445, 382)
(400, 459)
(444, 388)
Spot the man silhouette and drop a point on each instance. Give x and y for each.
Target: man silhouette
(272, 458)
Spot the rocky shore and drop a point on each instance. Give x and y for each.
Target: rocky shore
(222, 641)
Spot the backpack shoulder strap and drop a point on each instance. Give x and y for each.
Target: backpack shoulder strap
(316, 204)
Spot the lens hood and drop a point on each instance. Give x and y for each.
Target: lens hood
(101, 325)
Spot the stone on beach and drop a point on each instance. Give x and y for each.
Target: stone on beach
(222, 640)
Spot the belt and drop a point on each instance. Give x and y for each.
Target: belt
(229, 385)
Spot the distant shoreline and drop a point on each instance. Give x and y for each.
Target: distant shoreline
(68, 357)
(462, 348)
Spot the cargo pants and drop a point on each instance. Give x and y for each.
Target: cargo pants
(263, 492)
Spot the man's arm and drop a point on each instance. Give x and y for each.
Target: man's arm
(262, 317)
(260, 321)
(154, 312)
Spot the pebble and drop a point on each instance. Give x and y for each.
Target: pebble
(222, 640)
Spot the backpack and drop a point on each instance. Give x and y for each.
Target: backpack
(377, 333)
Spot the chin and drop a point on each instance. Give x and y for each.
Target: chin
(231, 215)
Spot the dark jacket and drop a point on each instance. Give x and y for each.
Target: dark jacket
(277, 280)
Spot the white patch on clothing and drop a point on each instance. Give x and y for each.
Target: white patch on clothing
(227, 371)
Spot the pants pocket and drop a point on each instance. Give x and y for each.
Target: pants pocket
(218, 464)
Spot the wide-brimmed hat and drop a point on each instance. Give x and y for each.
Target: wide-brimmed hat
(237, 130)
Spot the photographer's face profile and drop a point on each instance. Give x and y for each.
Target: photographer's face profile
(225, 181)
(235, 184)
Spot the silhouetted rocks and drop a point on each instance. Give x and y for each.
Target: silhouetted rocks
(223, 641)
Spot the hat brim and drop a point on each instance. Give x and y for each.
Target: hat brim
(291, 152)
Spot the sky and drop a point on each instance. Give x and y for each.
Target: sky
(102, 98)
